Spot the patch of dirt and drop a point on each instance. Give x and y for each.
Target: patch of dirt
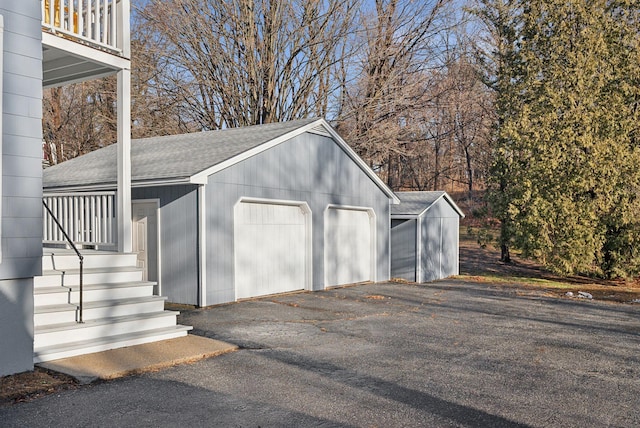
(478, 261)
(27, 386)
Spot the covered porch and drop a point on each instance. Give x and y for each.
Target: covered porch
(84, 40)
(92, 294)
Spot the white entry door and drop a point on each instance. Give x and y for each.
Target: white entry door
(270, 242)
(145, 237)
(349, 246)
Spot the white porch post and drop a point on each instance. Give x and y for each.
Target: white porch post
(124, 162)
(124, 134)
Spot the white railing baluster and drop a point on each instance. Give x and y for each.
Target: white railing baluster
(56, 210)
(73, 217)
(103, 214)
(80, 214)
(80, 18)
(62, 213)
(103, 14)
(94, 218)
(96, 20)
(93, 21)
(72, 19)
(87, 20)
(114, 16)
(110, 213)
(88, 218)
(52, 16)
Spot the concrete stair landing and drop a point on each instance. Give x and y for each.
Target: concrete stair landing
(119, 308)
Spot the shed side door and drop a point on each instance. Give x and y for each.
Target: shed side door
(403, 249)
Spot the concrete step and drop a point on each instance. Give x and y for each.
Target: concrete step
(71, 349)
(57, 334)
(67, 259)
(58, 295)
(67, 313)
(70, 277)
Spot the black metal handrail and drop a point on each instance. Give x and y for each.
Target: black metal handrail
(81, 259)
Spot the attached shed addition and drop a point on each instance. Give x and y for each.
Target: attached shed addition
(425, 236)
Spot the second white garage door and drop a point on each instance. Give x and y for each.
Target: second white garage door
(270, 248)
(349, 246)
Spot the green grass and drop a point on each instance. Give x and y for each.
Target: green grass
(554, 285)
(521, 280)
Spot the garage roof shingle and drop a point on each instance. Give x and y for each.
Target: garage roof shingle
(416, 203)
(172, 157)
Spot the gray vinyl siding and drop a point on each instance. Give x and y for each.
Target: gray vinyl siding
(178, 244)
(16, 326)
(431, 249)
(310, 168)
(21, 221)
(449, 262)
(403, 249)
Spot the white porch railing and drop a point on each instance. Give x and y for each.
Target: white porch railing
(93, 21)
(88, 218)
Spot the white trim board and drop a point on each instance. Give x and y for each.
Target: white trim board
(202, 246)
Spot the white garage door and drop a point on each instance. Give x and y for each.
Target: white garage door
(270, 249)
(348, 246)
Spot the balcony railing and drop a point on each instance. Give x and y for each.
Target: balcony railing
(88, 218)
(93, 21)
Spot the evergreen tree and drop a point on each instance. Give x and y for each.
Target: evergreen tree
(565, 176)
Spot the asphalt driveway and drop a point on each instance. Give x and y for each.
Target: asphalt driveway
(385, 355)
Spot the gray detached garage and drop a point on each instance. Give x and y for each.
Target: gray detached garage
(424, 236)
(247, 212)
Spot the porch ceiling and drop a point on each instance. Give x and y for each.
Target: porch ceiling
(65, 61)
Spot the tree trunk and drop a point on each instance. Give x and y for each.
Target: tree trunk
(467, 155)
(504, 253)
(504, 244)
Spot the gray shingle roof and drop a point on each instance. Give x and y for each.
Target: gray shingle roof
(415, 203)
(171, 157)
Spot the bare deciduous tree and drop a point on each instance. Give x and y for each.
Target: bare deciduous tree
(392, 73)
(155, 109)
(399, 49)
(82, 117)
(78, 118)
(246, 62)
